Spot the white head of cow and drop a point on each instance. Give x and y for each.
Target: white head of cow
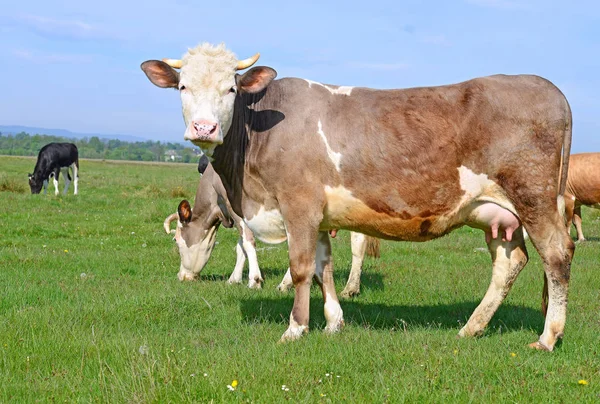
(208, 84)
(195, 237)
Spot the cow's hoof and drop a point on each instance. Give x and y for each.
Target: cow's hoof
(186, 276)
(468, 332)
(580, 240)
(255, 283)
(539, 346)
(335, 328)
(293, 333)
(233, 280)
(349, 292)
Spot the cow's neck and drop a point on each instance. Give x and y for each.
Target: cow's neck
(229, 159)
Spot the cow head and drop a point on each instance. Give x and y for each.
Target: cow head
(35, 184)
(195, 236)
(208, 85)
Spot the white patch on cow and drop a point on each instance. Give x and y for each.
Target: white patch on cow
(268, 226)
(339, 201)
(479, 188)
(333, 156)
(341, 90)
(473, 184)
(194, 257)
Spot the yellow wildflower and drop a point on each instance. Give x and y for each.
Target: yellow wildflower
(513, 354)
(234, 384)
(583, 382)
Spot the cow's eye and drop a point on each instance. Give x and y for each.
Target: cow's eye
(233, 89)
(181, 88)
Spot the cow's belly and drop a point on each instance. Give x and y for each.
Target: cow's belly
(344, 211)
(488, 210)
(267, 225)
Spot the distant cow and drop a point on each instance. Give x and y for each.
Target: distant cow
(52, 159)
(583, 188)
(299, 158)
(196, 234)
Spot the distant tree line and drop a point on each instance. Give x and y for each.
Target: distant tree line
(24, 144)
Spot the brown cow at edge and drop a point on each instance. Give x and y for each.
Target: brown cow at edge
(298, 158)
(583, 188)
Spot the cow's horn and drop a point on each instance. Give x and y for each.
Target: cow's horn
(176, 63)
(244, 64)
(167, 222)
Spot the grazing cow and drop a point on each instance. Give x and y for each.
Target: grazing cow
(52, 159)
(583, 188)
(197, 228)
(298, 158)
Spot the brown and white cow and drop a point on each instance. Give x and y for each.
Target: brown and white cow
(298, 158)
(197, 227)
(583, 188)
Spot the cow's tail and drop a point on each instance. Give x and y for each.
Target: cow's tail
(562, 186)
(373, 247)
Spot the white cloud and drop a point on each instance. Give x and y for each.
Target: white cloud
(61, 29)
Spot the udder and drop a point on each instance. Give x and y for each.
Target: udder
(495, 220)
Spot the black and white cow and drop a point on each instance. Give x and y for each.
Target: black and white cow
(53, 158)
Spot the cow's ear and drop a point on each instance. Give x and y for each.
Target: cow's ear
(255, 80)
(202, 164)
(161, 74)
(184, 211)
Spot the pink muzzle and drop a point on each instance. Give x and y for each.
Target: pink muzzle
(203, 131)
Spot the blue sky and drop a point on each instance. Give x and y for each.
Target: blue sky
(75, 64)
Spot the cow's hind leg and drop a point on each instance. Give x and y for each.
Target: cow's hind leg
(67, 180)
(75, 167)
(556, 249)
(324, 276)
(359, 247)
(508, 258)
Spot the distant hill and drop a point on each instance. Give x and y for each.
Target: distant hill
(14, 129)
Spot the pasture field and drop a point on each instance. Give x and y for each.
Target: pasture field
(91, 310)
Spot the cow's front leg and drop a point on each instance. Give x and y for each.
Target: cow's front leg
(236, 275)
(302, 242)
(577, 222)
(324, 276)
(255, 279)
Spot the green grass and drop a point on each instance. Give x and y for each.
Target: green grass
(91, 310)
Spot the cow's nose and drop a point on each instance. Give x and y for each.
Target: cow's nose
(205, 129)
